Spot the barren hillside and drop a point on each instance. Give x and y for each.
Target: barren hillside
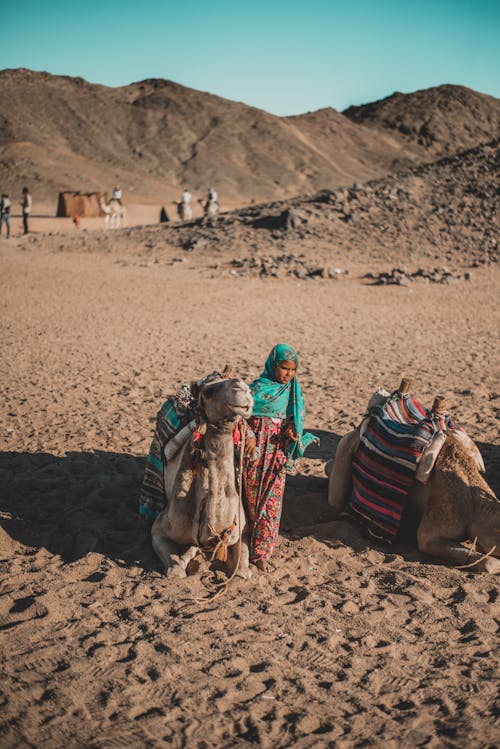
(442, 212)
(442, 120)
(154, 137)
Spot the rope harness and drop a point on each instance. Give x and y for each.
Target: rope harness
(473, 550)
(220, 551)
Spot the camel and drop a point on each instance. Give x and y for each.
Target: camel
(203, 507)
(210, 211)
(455, 505)
(183, 210)
(115, 213)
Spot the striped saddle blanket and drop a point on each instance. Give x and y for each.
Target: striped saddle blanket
(393, 439)
(175, 423)
(174, 417)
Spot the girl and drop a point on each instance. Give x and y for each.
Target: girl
(277, 422)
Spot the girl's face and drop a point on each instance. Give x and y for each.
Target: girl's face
(285, 371)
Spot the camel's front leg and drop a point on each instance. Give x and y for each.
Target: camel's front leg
(239, 558)
(173, 561)
(340, 474)
(447, 548)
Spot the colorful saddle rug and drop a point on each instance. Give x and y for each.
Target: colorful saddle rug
(393, 439)
(176, 413)
(175, 423)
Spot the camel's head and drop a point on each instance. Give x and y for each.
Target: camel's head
(225, 400)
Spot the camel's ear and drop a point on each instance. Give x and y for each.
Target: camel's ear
(227, 372)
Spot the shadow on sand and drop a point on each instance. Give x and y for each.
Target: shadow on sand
(87, 501)
(71, 505)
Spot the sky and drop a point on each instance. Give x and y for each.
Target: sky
(285, 57)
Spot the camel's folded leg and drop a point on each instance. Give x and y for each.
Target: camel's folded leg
(449, 518)
(340, 477)
(243, 563)
(450, 550)
(189, 554)
(174, 563)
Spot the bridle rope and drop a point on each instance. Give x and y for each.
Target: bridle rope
(223, 537)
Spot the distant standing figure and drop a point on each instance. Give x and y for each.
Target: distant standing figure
(117, 194)
(210, 207)
(183, 206)
(76, 221)
(164, 217)
(212, 196)
(26, 206)
(5, 206)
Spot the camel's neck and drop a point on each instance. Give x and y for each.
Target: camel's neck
(222, 501)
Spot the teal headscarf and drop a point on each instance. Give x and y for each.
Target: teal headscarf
(278, 401)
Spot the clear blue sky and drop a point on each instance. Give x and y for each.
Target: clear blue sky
(285, 57)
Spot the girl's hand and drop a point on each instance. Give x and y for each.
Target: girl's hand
(250, 445)
(290, 433)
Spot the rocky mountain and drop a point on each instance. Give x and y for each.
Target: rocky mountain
(444, 212)
(155, 137)
(442, 120)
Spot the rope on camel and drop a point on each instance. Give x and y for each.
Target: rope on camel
(221, 588)
(476, 561)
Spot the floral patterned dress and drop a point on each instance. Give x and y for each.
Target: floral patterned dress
(264, 485)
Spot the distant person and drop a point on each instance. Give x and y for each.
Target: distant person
(26, 203)
(117, 194)
(76, 221)
(184, 206)
(5, 206)
(210, 207)
(212, 196)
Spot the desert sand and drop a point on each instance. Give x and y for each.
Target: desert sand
(377, 258)
(340, 643)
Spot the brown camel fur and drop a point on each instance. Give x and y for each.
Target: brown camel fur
(203, 502)
(455, 505)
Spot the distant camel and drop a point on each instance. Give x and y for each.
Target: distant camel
(183, 210)
(210, 210)
(115, 213)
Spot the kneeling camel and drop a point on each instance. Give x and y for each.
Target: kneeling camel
(203, 507)
(455, 505)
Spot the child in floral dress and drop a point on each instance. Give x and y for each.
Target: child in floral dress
(277, 422)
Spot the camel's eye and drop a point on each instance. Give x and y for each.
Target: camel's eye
(208, 391)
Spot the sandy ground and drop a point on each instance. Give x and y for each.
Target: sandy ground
(340, 643)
